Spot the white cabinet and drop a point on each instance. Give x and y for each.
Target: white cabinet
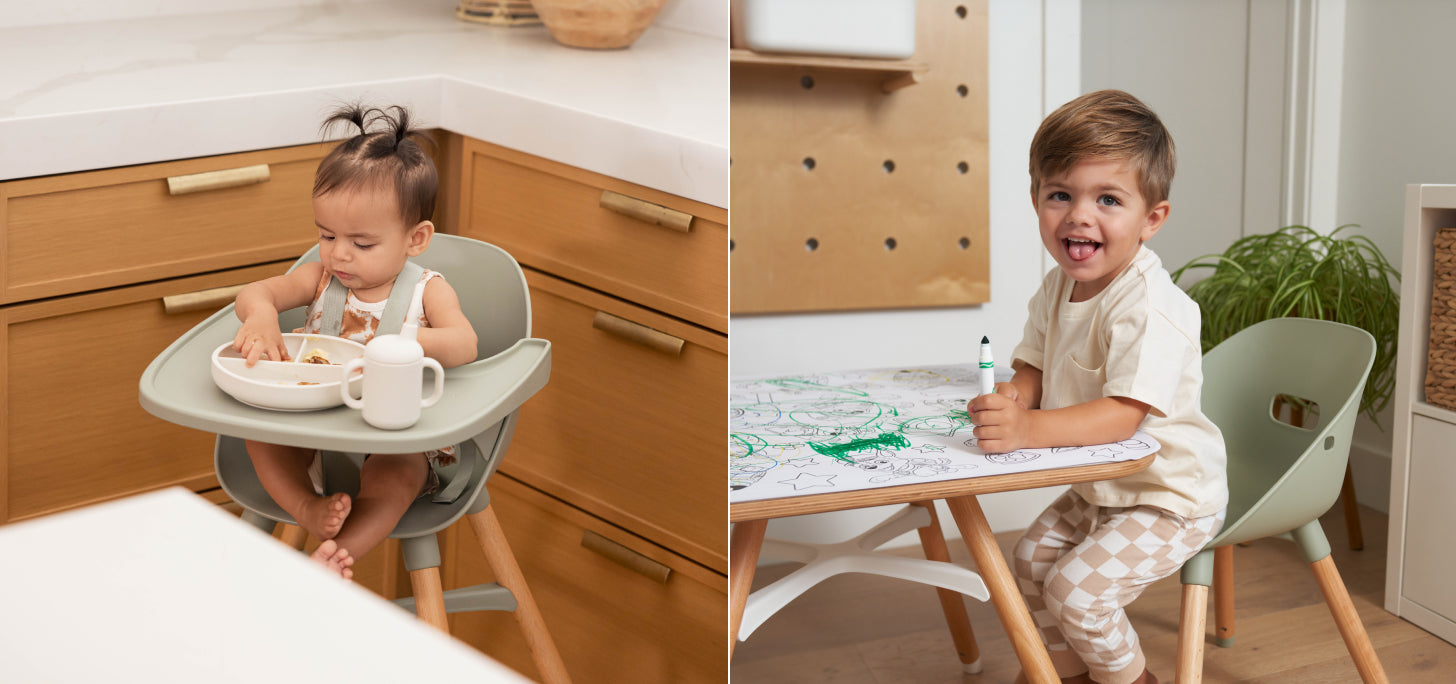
(1421, 558)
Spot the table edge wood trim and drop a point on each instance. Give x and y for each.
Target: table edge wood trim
(971, 486)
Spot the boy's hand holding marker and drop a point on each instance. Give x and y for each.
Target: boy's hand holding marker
(999, 413)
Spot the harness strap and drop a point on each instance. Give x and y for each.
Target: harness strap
(391, 321)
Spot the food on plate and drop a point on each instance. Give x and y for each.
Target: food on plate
(316, 356)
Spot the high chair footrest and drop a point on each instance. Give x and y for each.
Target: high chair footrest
(490, 596)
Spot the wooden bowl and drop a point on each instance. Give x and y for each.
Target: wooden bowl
(597, 24)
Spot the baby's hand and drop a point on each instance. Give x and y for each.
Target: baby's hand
(1001, 420)
(257, 337)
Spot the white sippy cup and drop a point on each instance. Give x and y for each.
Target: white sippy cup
(394, 373)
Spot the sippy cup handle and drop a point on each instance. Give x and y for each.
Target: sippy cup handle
(349, 369)
(439, 383)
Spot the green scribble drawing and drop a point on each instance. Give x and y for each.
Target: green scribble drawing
(945, 425)
(890, 440)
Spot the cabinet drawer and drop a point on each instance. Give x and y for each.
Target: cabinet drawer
(87, 231)
(73, 430)
(611, 623)
(624, 430)
(552, 217)
(1427, 566)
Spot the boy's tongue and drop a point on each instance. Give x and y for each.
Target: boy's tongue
(1081, 250)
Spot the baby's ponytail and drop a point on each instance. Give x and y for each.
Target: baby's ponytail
(388, 153)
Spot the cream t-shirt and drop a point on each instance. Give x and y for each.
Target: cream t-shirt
(1138, 338)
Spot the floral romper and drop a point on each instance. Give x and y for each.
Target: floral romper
(361, 322)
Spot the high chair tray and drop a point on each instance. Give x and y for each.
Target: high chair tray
(177, 387)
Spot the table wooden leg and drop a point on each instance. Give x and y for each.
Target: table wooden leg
(1010, 608)
(951, 603)
(747, 540)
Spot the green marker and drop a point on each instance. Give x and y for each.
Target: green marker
(988, 367)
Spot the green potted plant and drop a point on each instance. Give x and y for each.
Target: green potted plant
(1296, 271)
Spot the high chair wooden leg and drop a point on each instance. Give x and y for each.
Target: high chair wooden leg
(295, 536)
(1352, 511)
(1223, 596)
(951, 603)
(1192, 619)
(429, 597)
(508, 574)
(1351, 630)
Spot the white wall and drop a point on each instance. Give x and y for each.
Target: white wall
(1189, 63)
(1021, 92)
(1397, 112)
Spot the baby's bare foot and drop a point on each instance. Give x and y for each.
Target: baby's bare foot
(334, 557)
(323, 517)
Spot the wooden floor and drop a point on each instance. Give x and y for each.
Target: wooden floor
(861, 629)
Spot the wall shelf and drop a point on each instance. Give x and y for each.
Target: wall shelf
(1418, 563)
(898, 73)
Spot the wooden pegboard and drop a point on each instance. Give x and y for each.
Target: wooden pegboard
(854, 190)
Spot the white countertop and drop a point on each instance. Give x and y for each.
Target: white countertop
(165, 587)
(85, 96)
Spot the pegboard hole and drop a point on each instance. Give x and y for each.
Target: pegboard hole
(962, 90)
(809, 163)
(888, 166)
(964, 242)
(811, 244)
(961, 11)
(890, 244)
(807, 82)
(963, 167)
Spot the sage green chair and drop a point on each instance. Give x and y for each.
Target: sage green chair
(1282, 478)
(478, 412)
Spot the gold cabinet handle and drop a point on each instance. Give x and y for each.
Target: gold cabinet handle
(217, 180)
(638, 333)
(215, 298)
(625, 557)
(642, 210)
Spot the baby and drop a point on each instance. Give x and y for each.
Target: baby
(373, 196)
(1111, 346)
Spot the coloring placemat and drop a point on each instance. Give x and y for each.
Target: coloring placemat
(838, 432)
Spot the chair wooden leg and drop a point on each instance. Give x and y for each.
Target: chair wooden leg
(1223, 595)
(1192, 620)
(295, 536)
(746, 542)
(429, 597)
(951, 603)
(1351, 630)
(1352, 511)
(508, 574)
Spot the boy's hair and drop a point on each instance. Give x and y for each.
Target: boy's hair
(1106, 124)
(380, 160)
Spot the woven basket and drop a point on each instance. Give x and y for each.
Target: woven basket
(498, 12)
(1441, 359)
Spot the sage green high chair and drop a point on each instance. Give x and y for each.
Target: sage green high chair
(1282, 478)
(477, 411)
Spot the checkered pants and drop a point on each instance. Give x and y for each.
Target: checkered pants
(1079, 565)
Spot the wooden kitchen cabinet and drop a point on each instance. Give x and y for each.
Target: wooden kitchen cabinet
(620, 608)
(630, 286)
(74, 432)
(89, 258)
(98, 229)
